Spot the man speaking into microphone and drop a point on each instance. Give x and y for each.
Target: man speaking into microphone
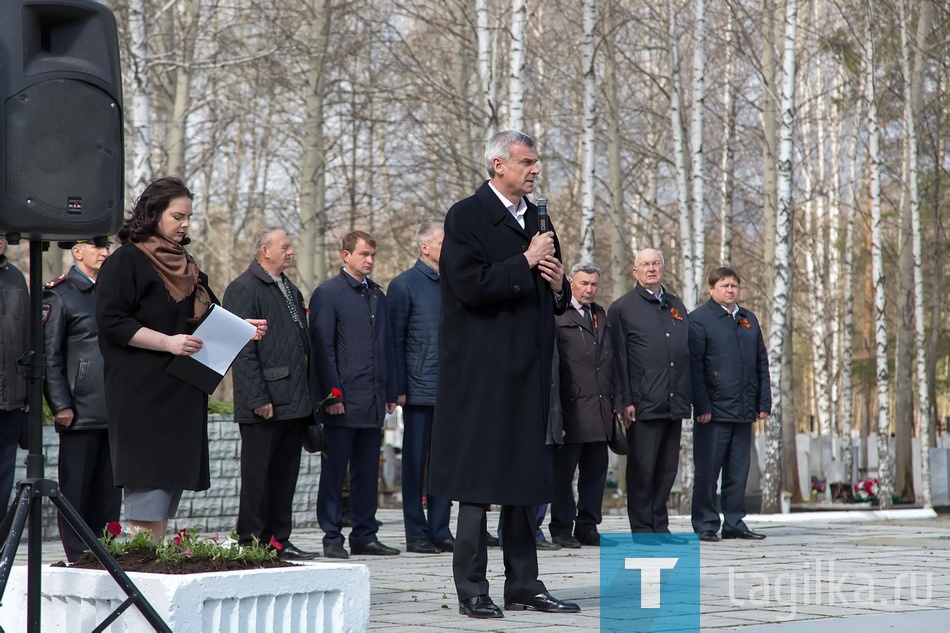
(502, 282)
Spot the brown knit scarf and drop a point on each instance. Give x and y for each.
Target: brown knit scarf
(178, 271)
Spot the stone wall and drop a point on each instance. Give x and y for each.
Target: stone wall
(213, 510)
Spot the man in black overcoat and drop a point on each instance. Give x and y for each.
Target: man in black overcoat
(352, 351)
(502, 284)
(272, 400)
(731, 390)
(650, 334)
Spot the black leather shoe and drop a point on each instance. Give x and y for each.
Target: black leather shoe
(588, 538)
(422, 547)
(448, 545)
(708, 536)
(744, 534)
(566, 541)
(291, 552)
(480, 607)
(492, 541)
(335, 550)
(541, 602)
(374, 549)
(547, 546)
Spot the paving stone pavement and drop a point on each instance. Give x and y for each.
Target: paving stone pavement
(822, 560)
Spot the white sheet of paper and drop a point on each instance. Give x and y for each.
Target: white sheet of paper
(223, 335)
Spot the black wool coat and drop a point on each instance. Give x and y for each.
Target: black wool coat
(414, 310)
(158, 424)
(651, 349)
(74, 375)
(586, 375)
(276, 369)
(352, 350)
(730, 366)
(496, 343)
(14, 335)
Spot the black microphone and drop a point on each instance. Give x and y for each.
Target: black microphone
(542, 202)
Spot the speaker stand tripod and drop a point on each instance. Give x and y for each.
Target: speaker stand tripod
(28, 505)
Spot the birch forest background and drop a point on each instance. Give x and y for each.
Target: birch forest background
(803, 142)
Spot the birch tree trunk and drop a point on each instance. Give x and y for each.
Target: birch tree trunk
(727, 160)
(519, 18)
(589, 131)
(312, 254)
(140, 114)
(697, 166)
(847, 335)
(772, 478)
(181, 105)
(679, 152)
(486, 75)
(885, 474)
(618, 232)
(912, 79)
(770, 134)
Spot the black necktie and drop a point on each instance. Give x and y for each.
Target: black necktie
(588, 317)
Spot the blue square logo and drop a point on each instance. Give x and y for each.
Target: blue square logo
(649, 583)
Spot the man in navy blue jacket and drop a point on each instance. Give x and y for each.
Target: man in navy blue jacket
(352, 351)
(414, 308)
(731, 390)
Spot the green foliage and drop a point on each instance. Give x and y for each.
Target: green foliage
(217, 407)
(186, 544)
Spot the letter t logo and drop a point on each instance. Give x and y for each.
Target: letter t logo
(650, 578)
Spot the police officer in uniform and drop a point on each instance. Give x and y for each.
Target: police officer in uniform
(75, 392)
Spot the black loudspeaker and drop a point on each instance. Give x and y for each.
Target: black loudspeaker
(62, 160)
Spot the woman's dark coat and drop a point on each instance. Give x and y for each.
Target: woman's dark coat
(586, 374)
(276, 369)
(352, 350)
(496, 342)
(158, 424)
(730, 366)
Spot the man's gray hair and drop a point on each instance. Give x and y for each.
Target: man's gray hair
(636, 259)
(427, 232)
(262, 237)
(499, 146)
(589, 268)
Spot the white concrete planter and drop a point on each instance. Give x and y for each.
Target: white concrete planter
(311, 598)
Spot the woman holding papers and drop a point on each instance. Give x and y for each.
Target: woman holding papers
(150, 298)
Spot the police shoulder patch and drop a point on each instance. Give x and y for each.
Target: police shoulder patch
(56, 282)
(46, 312)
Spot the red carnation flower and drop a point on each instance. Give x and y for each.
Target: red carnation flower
(336, 393)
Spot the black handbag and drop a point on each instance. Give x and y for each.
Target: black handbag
(617, 442)
(314, 439)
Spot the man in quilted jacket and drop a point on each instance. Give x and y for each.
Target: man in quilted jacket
(272, 400)
(414, 305)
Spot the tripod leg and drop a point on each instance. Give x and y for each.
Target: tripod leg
(8, 518)
(14, 523)
(102, 554)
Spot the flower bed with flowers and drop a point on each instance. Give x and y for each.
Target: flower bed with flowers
(184, 553)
